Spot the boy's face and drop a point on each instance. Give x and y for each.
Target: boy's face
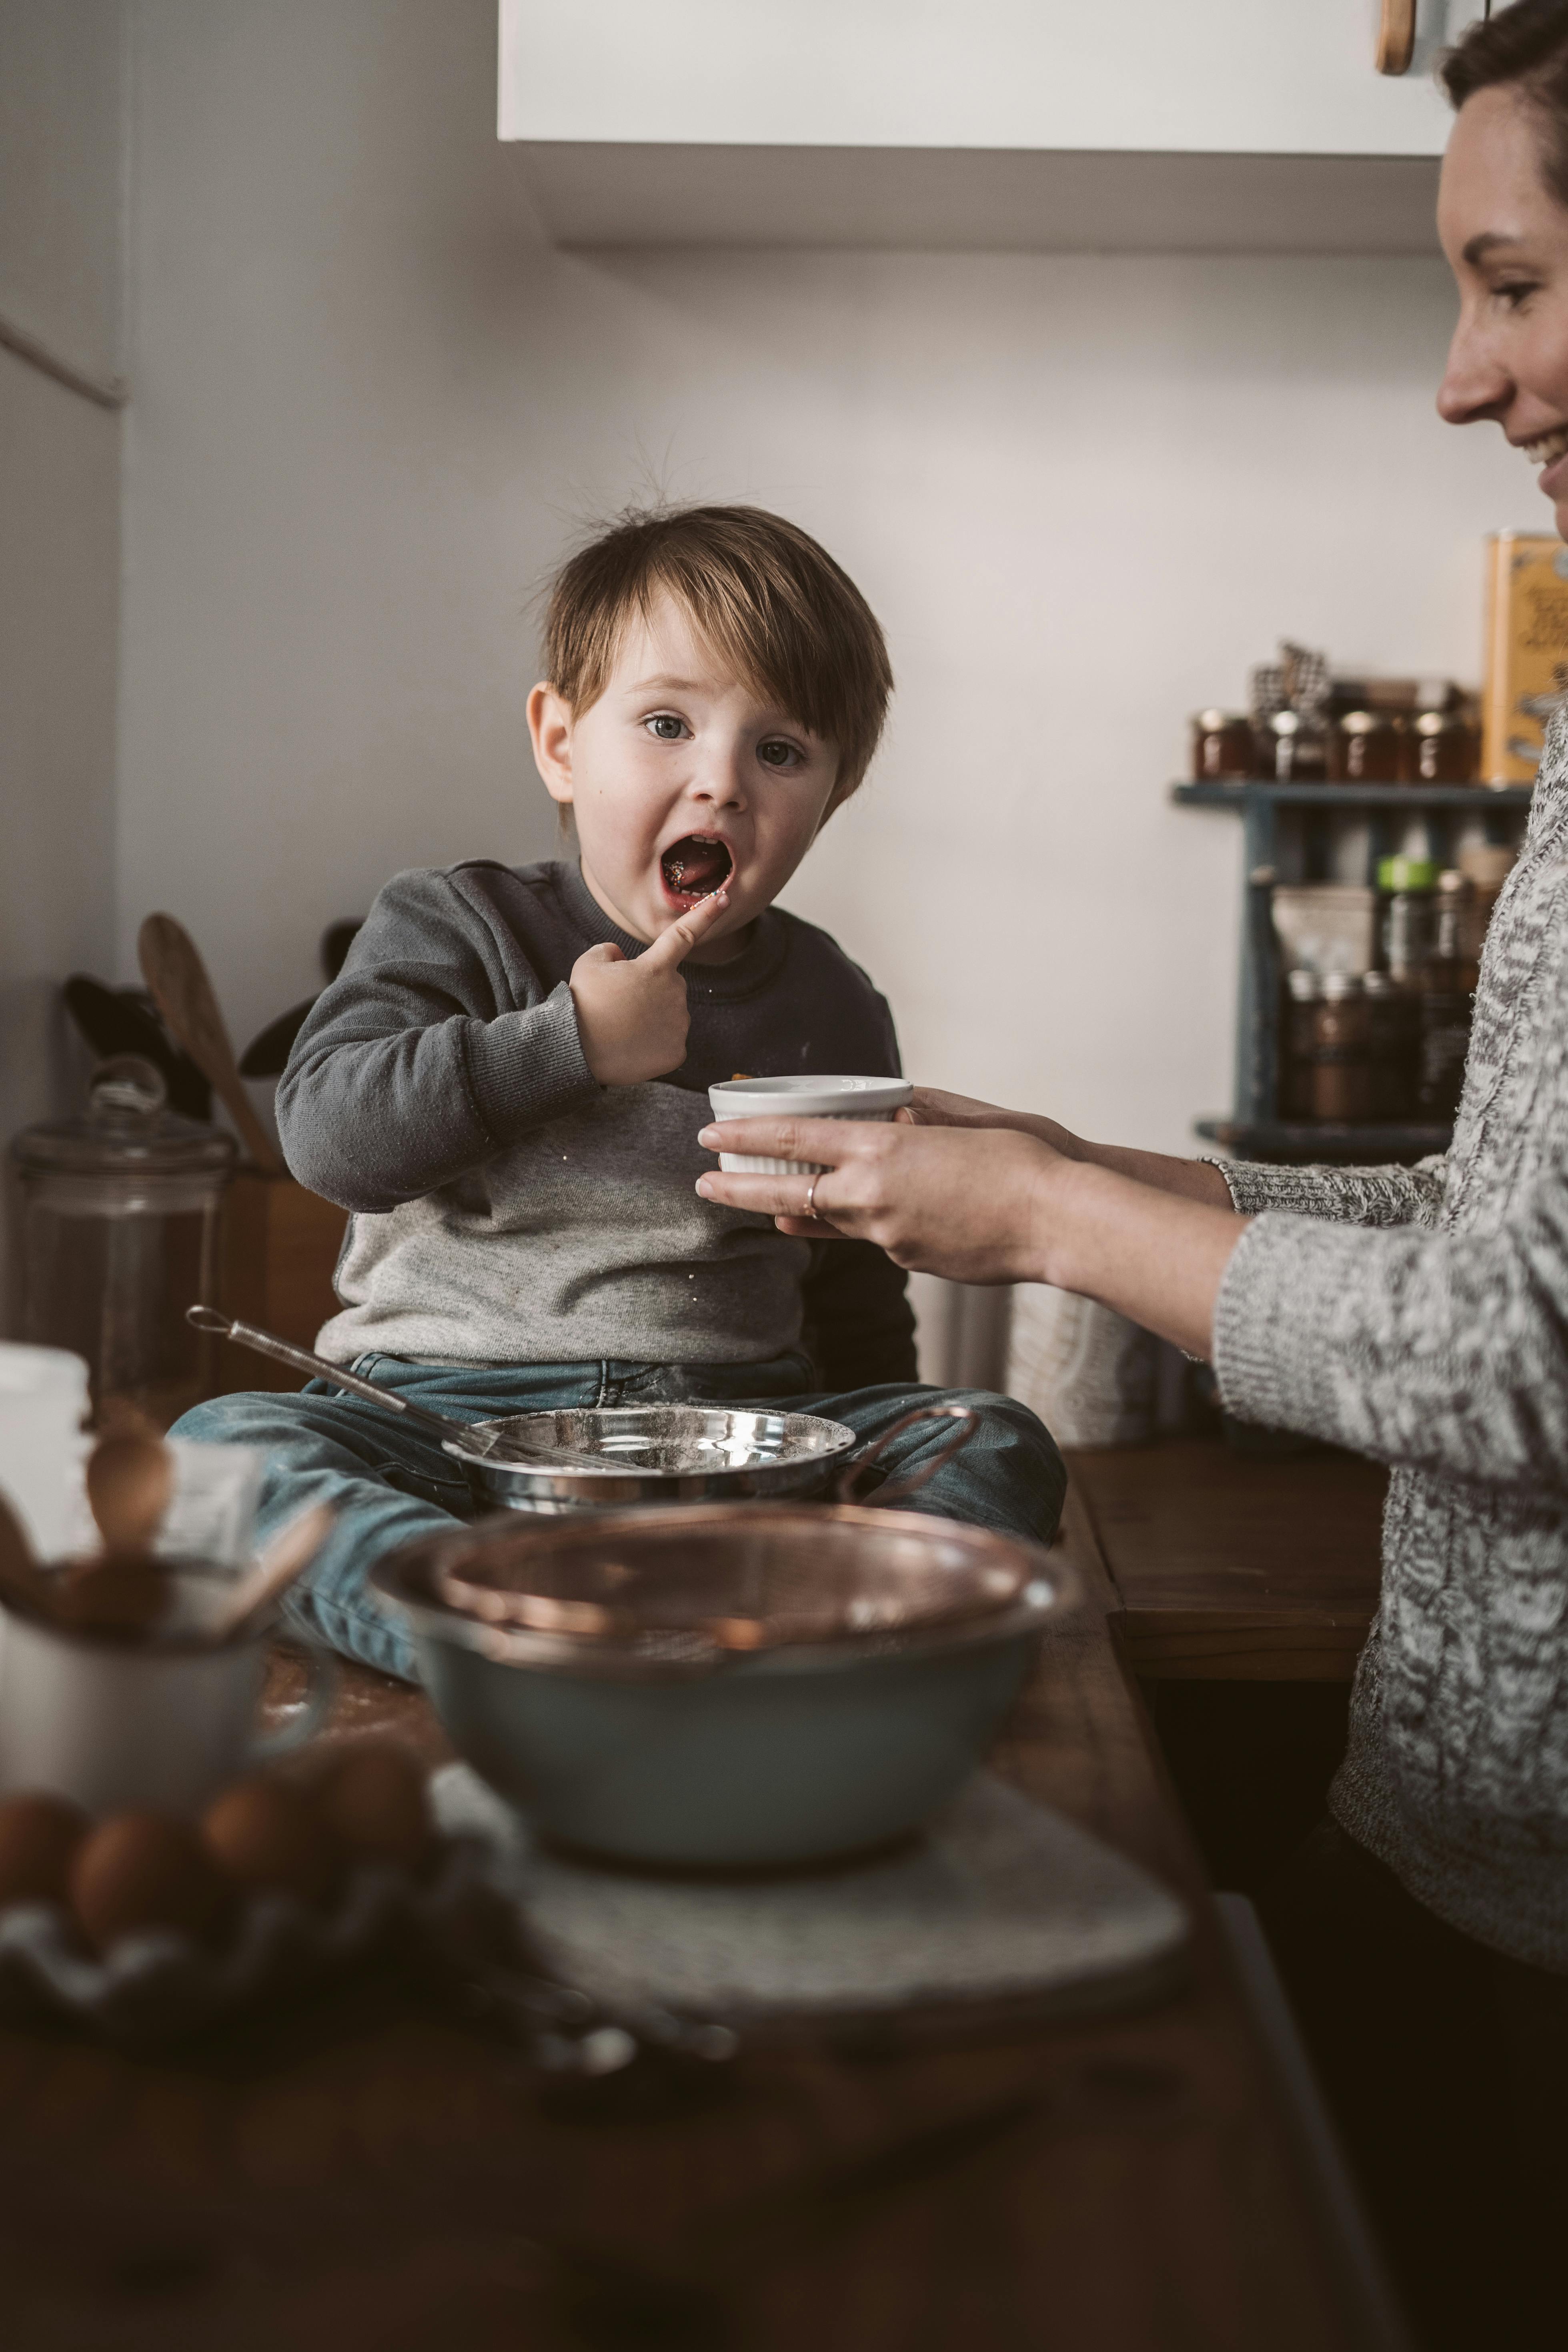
(682, 779)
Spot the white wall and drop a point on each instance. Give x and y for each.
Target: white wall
(1083, 493)
(60, 530)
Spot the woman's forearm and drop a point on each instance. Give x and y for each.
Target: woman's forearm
(1189, 1179)
(1192, 1179)
(1146, 1249)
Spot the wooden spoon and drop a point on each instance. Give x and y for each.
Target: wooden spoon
(174, 971)
(129, 1481)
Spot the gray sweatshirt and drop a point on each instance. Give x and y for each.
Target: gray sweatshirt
(1420, 1316)
(508, 1209)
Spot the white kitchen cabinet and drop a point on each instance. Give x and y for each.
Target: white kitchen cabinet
(1075, 124)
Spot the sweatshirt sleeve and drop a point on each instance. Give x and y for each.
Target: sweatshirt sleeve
(418, 1062)
(1435, 1351)
(1347, 1196)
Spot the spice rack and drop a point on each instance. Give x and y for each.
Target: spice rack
(1266, 810)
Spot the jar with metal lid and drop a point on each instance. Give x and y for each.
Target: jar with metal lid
(1293, 749)
(1223, 747)
(1341, 1051)
(1448, 1000)
(1486, 867)
(1302, 989)
(119, 1235)
(1366, 747)
(1408, 885)
(1393, 1044)
(1441, 747)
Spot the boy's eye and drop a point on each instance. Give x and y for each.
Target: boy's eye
(777, 754)
(665, 727)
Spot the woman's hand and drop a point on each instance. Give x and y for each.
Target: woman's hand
(931, 1108)
(994, 1204)
(936, 1198)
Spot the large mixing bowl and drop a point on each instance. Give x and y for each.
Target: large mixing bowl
(743, 1684)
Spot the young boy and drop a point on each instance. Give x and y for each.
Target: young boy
(506, 1083)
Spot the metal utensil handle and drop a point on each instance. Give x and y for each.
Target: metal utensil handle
(300, 1359)
(896, 1489)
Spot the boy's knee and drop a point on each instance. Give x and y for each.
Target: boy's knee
(249, 1417)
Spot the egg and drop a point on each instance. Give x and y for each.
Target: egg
(268, 1837)
(39, 1836)
(140, 1870)
(373, 1798)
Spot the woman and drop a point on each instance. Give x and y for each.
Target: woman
(1419, 1315)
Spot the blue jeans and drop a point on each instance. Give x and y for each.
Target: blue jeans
(389, 1483)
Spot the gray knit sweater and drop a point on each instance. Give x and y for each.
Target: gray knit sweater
(1420, 1316)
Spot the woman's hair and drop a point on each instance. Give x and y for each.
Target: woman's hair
(1527, 47)
(765, 595)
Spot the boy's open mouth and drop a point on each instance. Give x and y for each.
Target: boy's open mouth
(694, 867)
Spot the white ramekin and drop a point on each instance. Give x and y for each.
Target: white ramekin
(801, 1098)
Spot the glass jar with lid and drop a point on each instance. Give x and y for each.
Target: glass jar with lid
(1366, 747)
(1409, 886)
(1302, 991)
(1293, 749)
(1442, 746)
(1341, 1051)
(119, 1235)
(1223, 747)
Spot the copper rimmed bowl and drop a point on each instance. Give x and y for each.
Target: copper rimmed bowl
(725, 1686)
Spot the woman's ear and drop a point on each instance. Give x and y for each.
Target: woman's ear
(549, 725)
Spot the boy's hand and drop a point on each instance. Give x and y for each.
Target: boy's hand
(632, 1014)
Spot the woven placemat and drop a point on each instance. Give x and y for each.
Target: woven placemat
(1000, 1902)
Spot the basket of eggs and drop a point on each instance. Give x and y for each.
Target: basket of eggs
(150, 1927)
(153, 1878)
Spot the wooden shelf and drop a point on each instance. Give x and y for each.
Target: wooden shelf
(1328, 799)
(1300, 1142)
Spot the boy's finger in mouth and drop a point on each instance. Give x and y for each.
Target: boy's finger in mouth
(693, 868)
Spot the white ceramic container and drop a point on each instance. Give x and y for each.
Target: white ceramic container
(875, 1098)
(114, 1725)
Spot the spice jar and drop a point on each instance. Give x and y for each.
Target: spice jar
(1441, 747)
(1393, 1044)
(1409, 884)
(1341, 1051)
(1223, 749)
(1446, 1001)
(119, 1235)
(1486, 867)
(1366, 747)
(1294, 748)
(1302, 989)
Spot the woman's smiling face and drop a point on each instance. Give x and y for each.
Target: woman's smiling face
(1505, 232)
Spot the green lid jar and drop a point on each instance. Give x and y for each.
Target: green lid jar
(1407, 874)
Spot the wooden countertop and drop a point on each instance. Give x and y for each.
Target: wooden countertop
(1230, 1566)
(370, 2174)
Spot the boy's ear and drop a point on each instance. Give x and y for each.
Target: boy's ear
(549, 725)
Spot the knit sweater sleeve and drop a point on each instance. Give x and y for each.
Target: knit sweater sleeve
(435, 1047)
(1348, 1196)
(1440, 1350)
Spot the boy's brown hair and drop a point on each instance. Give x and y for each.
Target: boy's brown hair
(760, 591)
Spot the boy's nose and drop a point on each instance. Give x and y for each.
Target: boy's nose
(720, 780)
